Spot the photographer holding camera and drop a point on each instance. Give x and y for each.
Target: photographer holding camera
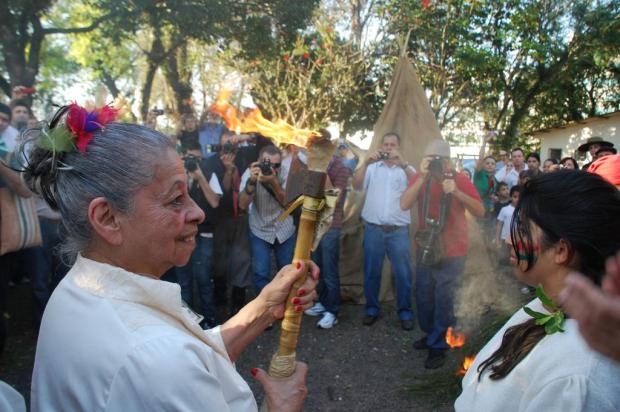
(384, 175)
(205, 190)
(263, 194)
(441, 240)
(233, 262)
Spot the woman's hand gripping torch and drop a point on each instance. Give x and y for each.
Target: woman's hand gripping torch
(307, 188)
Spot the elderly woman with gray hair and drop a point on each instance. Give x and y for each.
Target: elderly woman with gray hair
(114, 336)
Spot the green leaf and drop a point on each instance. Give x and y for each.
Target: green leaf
(543, 321)
(534, 314)
(56, 140)
(546, 300)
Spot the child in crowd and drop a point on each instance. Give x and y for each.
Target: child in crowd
(503, 197)
(502, 227)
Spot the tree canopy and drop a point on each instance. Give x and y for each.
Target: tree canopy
(514, 65)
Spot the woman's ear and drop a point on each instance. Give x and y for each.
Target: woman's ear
(103, 219)
(563, 253)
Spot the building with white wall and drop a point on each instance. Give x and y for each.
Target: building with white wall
(563, 141)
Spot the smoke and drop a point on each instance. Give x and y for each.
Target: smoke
(486, 288)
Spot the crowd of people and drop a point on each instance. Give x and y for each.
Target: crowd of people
(202, 209)
(499, 180)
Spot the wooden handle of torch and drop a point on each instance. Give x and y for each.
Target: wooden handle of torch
(283, 362)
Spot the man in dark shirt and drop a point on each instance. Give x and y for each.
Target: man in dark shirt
(233, 263)
(204, 188)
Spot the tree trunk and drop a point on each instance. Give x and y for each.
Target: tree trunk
(146, 89)
(110, 83)
(180, 86)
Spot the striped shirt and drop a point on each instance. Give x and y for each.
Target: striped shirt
(264, 213)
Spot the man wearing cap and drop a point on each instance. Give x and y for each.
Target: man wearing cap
(442, 196)
(592, 145)
(384, 175)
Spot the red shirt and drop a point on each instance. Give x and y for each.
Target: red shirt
(454, 234)
(339, 175)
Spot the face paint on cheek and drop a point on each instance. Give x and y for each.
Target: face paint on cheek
(524, 249)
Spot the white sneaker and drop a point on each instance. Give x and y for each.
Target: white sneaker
(328, 320)
(316, 310)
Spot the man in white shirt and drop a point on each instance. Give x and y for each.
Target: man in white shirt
(384, 176)
(510, 172)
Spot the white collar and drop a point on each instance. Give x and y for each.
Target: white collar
(113, 282)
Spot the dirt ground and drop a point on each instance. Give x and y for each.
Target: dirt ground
(352, 367)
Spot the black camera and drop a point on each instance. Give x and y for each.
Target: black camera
(435, 166)
(157, 112)
(225, 148)
(191, 162)
(384, 155)
(265, 167)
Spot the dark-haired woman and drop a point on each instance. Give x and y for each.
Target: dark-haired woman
(565, 222)
(550, 165)
(569, 163)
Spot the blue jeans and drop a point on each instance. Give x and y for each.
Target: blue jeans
(261, 258)
(327, 256)
(200, 267)
(377, 243)
(435, 290)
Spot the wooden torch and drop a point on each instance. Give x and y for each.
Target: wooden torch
(305, 188)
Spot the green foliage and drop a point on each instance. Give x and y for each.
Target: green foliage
(516, 64)
(553, 321)
(311, 82)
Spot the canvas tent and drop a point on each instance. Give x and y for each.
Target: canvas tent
(408, 113)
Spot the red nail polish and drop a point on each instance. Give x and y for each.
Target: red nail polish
(298, 265)
(301, 292)
(297, 308)
(254, 371)
(296, 301)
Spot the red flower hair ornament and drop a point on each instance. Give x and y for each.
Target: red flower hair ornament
(82, 123)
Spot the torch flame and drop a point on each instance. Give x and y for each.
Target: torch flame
(454, 339)
(254, 122)
(467, 362)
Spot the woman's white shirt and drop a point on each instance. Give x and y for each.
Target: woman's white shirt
(112, 340)
(561, 373)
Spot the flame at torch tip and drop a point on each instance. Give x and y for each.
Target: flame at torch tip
(454, 339)
(254, 122)
(467, 362)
